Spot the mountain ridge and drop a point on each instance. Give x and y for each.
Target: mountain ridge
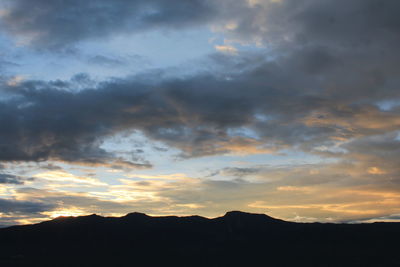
(138, 215)
(234, 239)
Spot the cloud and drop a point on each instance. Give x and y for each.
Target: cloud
(45, 121)
(285, 104)
(59, 24)
(315, 86)
(25, 207)
(63, 176)
(6, 64)
(308, 22)
(12, 179)
(51, 167)
(236, 172)
(388, 218)
(14, 81)
(31, 205)
(226, 49)
(115, 62)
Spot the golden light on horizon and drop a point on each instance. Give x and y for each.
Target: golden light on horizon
(66, 213)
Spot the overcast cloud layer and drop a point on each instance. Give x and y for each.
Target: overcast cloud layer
(323, 79)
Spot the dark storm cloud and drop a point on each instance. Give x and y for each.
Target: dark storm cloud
(11, 179)
(312, 21)
(48, 120)
(315, 85)
(201, 115)
(45, 120)
(308, 22)
(24, 207)
(55, 24)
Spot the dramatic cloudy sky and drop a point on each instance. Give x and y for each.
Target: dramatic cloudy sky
(284, 107)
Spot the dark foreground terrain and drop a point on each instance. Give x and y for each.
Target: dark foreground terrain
(236, 239)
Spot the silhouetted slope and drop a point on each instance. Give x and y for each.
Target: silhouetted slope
(236, 239)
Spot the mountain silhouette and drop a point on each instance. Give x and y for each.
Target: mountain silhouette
(235, 239)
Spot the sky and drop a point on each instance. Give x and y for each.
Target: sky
(179, 107)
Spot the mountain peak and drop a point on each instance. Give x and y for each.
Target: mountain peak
(239, 217)
(236, 213)
(136, 214)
